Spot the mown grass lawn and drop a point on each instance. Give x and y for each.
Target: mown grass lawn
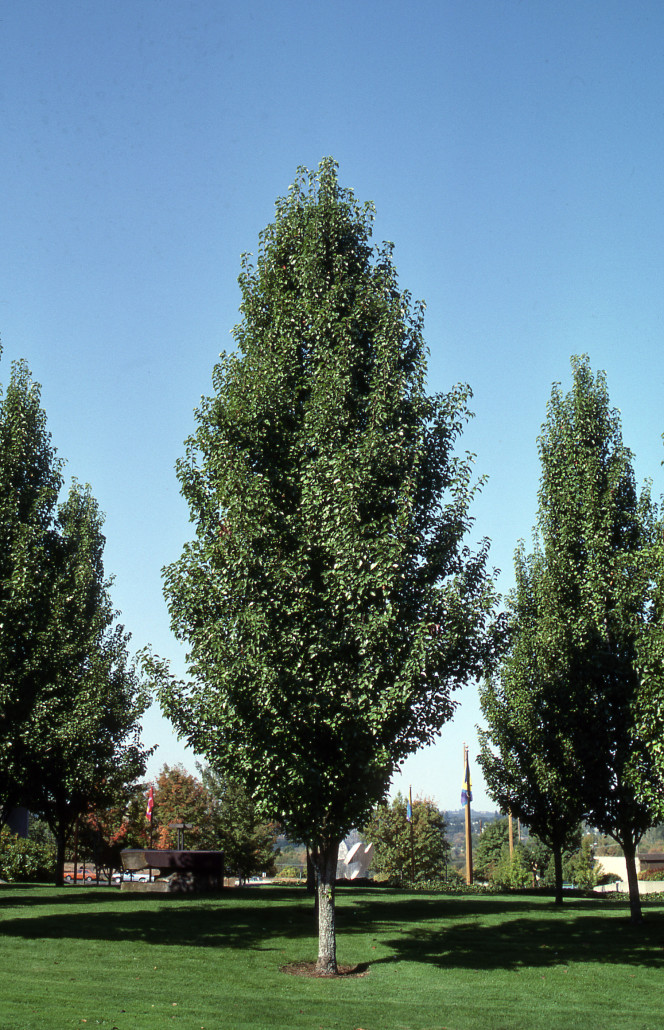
(95, 957)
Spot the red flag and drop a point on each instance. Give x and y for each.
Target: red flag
(148, 814)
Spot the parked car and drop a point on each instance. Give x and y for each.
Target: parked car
(140, 877)
(85, 875)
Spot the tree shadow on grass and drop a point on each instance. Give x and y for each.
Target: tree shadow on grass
(508, 932)
(544, 942)
(395, 908)
(221, 920)
(17, 895)
(483, 933)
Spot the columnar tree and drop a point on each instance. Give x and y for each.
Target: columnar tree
(525, 750)
(84, 730)
(30, 479)
(327, 600)
(70, 700)
(595, 583)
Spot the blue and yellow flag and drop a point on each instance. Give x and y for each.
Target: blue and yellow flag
(409, 806)
(466, 792)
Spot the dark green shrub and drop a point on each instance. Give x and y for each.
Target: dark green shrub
(23, 860)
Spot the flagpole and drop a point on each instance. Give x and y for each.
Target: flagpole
(466, 792)
(148, 816)
(412, 839)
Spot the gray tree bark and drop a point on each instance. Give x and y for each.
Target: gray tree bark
(325, 859)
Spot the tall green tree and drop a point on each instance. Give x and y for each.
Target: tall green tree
(70, 700)
(525, 756)
(595, 579)
(30, 480)
(400, 853)
(327, 600)
(84, 729)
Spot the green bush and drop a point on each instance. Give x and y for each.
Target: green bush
(607, 878)
(512, 871)
(457, 887)
(289, 871)
(581, 866)
(23, 860)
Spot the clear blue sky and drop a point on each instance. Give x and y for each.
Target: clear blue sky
(513, 151)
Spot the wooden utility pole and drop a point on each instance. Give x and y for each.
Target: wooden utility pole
(466, 798)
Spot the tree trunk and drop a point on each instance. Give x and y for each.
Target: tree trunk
(635, 916)
(311, 874)
(558, 872)
(60, 861)
(326, 867)
(312, 884)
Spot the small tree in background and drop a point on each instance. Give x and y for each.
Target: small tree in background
(181, 797)
(115, 826)
(390, 833)
(487, 852)
(512, 871)
(582, 868)
(248, 842)
(533, 863)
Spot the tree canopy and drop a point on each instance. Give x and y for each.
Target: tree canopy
(328, 602)
(30, 480)
(85, 730)
(524, 749)
(569, 711)
(181, 797)
(70, 699)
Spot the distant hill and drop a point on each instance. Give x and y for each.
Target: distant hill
(460, 813)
